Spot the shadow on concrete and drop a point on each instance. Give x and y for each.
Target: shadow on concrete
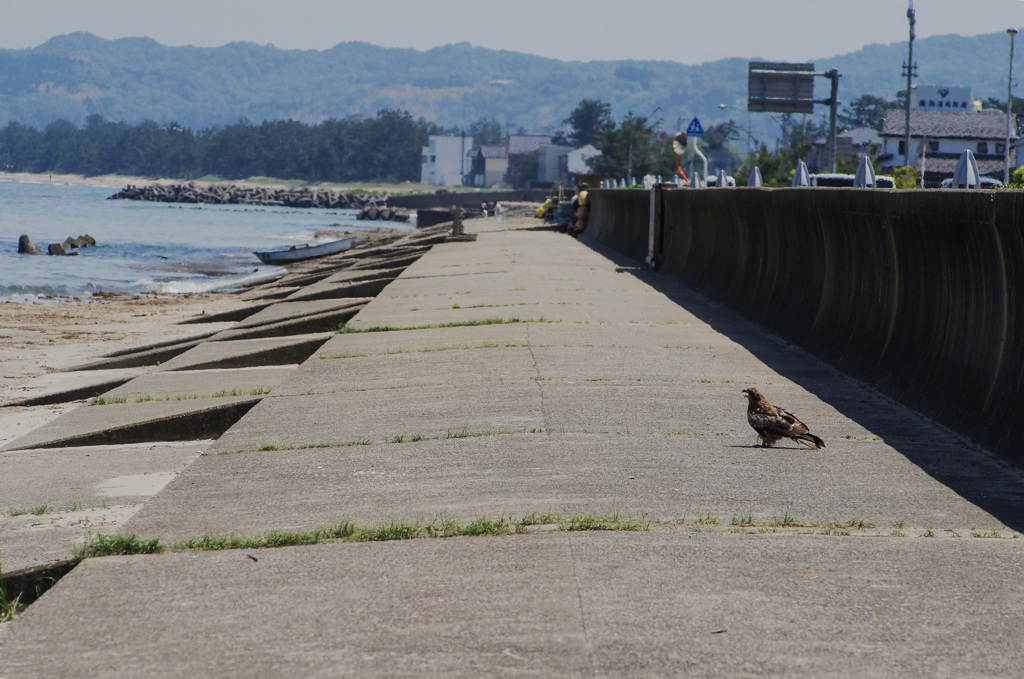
(972, 472)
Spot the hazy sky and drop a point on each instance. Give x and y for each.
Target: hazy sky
(677, 30)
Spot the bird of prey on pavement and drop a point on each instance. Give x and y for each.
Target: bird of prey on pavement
(773, 423)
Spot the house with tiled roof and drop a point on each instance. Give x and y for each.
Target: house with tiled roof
(526, 143)
(938, 138)
(490, 165)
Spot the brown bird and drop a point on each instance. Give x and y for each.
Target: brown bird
(773, 423)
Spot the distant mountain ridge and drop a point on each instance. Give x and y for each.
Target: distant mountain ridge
(133, 79)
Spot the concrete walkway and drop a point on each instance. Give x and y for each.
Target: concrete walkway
(598, 389)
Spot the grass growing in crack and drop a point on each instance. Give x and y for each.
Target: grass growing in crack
(990, 534)
(223, 393)
(859, 524)
(485, 526)
(17, 592)
(465, 433)
(536, 519)
(258, 391)
(209, 543)
(390, 531)
(744, 520)
(112, 545)
(303, 446)
(613, 522)
(788, 520)
(10, 603)
(103, 400)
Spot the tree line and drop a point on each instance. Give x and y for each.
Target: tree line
(386, 148)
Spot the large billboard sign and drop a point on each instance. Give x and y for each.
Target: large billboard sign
(780, 88)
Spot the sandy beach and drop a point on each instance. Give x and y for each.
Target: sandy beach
(51, 335)
(39, 336)
(112, 180)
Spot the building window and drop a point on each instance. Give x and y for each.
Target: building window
(982, 147)
(1000, 148)
(902, 149)
(933, 147)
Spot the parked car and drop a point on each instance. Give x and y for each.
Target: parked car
(881, 181)
(713, 181)
(983, 183)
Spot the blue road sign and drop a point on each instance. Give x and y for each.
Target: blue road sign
(695, 130)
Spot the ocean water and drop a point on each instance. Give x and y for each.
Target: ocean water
(144, 246)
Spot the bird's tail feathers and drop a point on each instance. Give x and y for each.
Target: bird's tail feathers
(811, 441)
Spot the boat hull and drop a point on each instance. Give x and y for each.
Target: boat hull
(300, 253)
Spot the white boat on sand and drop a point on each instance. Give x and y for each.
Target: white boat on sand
(299, 253)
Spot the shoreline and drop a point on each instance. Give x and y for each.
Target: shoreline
(111, 180)
(120, 181)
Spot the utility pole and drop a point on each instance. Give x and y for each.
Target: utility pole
(1009, 110)
(910, 69)
(833, 103)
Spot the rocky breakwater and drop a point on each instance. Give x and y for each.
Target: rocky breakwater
(68, 247)
(370, 206)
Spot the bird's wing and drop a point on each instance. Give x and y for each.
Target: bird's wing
(791, 423)
(775, 420)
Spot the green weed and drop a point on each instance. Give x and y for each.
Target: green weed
(112, 545)
(592, 522)
(788, 520)
(103, 400)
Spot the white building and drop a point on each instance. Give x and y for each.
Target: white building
(944, 99)
(938, 139)
(552, 163)
(562, 163)
(446, 160)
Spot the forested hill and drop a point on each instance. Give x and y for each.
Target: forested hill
(134, 79)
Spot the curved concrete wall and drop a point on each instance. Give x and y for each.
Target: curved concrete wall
(918, 293)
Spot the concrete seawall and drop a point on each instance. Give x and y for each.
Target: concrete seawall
(918, 293)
